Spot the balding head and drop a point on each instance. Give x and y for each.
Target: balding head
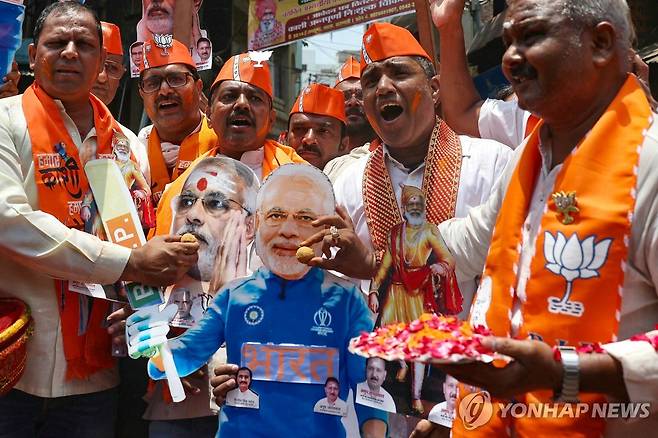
(566, 58)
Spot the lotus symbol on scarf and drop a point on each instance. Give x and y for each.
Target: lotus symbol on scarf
(573, 259)
(163, 41)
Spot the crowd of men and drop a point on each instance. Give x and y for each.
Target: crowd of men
(546, 203)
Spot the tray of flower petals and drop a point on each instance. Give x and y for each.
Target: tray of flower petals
(431, 339)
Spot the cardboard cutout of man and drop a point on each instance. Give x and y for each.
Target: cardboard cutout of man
(370, 392)
(331, 404)
(243, 396)
(417, 275)
(253, 316)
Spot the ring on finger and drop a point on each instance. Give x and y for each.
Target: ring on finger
(333, 231)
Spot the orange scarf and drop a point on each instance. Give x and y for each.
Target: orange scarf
(61, 185)
(192, 147)
(573, 294)
(274, 155)
(440, 185)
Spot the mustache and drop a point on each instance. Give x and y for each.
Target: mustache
(523, 71)
(284, 243)
(309, 148)
(168, 98)
(157, 7)
(194, 230)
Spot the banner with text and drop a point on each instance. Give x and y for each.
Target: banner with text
(276, 22)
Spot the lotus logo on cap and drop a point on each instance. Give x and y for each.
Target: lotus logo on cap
(164, 41)
(258, 57)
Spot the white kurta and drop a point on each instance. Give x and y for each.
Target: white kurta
(469, 239)
(483, 162)
(503, 121)
(36, 247)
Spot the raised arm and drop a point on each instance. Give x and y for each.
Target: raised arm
(460, 99)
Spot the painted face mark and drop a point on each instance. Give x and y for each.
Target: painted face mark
(202, 184)
(415, 102)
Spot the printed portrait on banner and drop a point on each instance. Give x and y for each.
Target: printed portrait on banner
(216, 206)
(158, 19)
(416, 276)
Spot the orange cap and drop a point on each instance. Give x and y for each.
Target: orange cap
(164, 50)
(112, 38)
(322, 100)
(384, 40)
(251, 68)
(351, 68)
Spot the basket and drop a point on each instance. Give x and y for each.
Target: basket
(16, 327)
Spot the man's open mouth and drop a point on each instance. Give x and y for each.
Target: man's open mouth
(166, 105)
(240, 121)
(390, 111)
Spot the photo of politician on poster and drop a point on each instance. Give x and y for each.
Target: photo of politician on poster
(416, 276)
(158, 19)
(215, 206)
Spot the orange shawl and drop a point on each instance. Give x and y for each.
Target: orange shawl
(192, 147)
(574, 291)
(61, 185)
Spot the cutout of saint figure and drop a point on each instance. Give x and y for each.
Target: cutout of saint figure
(417, 275)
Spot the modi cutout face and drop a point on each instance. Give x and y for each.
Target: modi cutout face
(375, 373)
(290, 199)
(159, 16)
(215, 206)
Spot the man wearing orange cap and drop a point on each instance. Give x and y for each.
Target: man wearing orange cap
(241, 114)
(107, 84)
(316, 127)
(454, 172)
(359, 132)
(170, 87)
(69, 383)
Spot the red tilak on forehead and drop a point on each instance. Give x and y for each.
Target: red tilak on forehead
(202, 184)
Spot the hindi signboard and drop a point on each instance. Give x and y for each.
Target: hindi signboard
(277, 22)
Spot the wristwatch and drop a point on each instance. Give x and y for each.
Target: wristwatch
(571, 375)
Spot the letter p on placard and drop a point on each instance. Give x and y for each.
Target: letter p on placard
(122, 230)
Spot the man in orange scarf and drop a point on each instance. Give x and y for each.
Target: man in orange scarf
(170, 87)
(70, 377)
(241, 114)
(568, 239)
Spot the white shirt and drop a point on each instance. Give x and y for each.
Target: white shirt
(483, 162)
(35, 247)
(469, 239)
(339, 407)
(380, 399)
(503, 121)
(248, 399)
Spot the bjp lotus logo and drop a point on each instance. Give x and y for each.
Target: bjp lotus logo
(164, 41)
(573, 259)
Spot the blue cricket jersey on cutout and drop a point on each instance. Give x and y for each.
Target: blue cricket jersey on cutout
(264, 308)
